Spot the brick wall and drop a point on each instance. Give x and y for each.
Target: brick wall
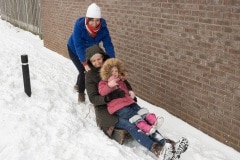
(182, 55)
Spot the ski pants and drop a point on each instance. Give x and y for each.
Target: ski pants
(81, 76)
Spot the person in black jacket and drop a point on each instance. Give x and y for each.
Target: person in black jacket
(95, 57)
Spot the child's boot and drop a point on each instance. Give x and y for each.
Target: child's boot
(151, 118)
(145, 127)
(142, 124)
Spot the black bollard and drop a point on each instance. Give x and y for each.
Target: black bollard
(26, 77)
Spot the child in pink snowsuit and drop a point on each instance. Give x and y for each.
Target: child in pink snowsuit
(112, 73)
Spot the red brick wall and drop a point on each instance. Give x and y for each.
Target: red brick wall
(182, 55)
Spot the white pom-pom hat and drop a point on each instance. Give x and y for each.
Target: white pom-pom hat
(93, 11)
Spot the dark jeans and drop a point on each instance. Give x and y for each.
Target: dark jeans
(139, 136)
(81, 76)
(128, 111)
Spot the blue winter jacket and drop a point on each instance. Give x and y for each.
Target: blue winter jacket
(80, 39)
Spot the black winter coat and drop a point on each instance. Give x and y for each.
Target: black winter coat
(92, 78)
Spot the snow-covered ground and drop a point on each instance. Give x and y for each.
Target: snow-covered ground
(51, 125)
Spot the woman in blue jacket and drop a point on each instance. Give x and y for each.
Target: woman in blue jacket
(88, 31)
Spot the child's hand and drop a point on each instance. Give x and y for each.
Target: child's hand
(132, 94)
(112, 82)
(87, 68)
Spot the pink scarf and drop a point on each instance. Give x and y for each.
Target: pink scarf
(92, 30)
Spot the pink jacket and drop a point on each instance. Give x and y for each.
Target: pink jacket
(118, 103)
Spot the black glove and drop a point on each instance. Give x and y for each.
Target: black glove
(118, 93)
(135, 99)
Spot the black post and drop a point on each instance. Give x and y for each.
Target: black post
(26, 77)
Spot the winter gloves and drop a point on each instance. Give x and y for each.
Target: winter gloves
(118, 93)
(112, 82)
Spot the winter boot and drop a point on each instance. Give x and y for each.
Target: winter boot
(76, 88)
(157, 137)
(120, 135)
(167, 152)
(145, 127)
(141, 124)
(151, 118)
(81, 97)
(156, 149)
(180, 147)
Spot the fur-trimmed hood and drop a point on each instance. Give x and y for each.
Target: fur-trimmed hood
(105, 71)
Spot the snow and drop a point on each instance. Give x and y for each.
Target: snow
(51, 125)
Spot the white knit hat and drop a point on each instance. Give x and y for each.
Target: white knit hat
(93, 11)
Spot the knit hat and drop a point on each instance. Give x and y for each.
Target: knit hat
(91, 51)
(93, 11)
(96, 55)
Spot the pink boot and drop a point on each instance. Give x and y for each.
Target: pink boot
(145, 127)
(151, 118)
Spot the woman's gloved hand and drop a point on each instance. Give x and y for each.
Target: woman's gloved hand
(118, 93)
